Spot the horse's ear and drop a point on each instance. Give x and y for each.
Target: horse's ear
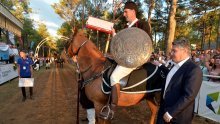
(74, 30)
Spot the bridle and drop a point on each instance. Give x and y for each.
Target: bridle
(76, 56)
(77, 52)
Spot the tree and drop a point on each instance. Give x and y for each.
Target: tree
(218, 36)
(151, 7)
(65, 30)
(171, 26)
(66, 9)
(81, 10)
(7, 3)
(28, 30)
(201, 10)
(19, 8)
(42, 30)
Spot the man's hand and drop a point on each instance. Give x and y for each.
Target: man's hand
(74, 59)
(167, 117)
(157, 63)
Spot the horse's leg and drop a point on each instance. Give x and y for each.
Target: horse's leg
(94, 93)
(153, 109)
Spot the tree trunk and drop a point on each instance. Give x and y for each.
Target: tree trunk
(218, 37)
(151, 7)
(0, 34)
(171, 26)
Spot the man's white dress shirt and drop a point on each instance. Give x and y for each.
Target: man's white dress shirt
(132, 23)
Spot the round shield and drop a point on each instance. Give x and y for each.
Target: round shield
(131, 47)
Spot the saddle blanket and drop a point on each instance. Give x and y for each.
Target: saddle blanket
(147, 79)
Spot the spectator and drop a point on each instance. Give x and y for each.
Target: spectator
(25, 71)
(203, 68)
(206, 59)
(48, 63)
(182, 86)
(37, 64)
(215, 69)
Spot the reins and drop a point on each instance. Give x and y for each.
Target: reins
(79, 79)
(85, 82)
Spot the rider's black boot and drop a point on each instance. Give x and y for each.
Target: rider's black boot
(108, 111)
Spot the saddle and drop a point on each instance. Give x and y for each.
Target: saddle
(148, 78)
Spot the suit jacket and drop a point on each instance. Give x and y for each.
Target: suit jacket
(180, 94)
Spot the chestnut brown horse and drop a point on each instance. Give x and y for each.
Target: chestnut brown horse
(91, 62)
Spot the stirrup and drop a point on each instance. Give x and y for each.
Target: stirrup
(106, 113)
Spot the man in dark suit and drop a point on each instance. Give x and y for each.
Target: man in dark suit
(182, 86)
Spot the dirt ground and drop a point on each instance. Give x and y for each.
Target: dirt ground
(55, 95)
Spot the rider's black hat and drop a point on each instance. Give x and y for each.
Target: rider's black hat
(130, 5)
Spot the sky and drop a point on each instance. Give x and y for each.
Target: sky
(44, 13)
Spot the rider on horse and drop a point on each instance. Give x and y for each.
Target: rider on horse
(130, 11)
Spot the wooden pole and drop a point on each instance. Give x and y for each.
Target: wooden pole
(107, 43)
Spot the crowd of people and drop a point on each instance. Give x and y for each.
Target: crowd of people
(208, 60)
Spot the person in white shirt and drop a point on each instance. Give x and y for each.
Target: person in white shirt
(182, 86)
(130, 11)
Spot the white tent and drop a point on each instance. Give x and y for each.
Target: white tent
(4, 47)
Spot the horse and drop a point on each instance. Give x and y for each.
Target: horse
(91, 62)
(59, 62)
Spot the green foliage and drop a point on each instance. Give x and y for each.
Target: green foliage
(29, 34)
(190, 16)
(42, 30)
(65, 29)
(7, 3)
(18, 8)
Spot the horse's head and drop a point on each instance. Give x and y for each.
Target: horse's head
(83, 51)
(75, 42)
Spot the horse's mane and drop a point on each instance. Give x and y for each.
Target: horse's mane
(80, 34)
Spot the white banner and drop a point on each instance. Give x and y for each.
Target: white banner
(209, 100)
(26, 82)
(197, 103)
(7, 73)
(99, 24)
